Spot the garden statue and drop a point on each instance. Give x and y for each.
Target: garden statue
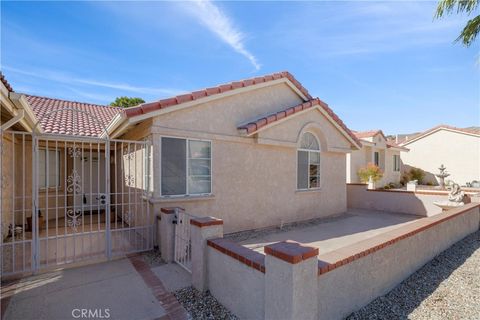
(441, 176)
(455, 198)
(456, 194)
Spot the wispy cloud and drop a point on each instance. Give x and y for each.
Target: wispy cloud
(68, 79)
(219, 23)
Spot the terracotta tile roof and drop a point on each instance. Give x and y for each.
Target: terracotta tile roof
(69, 122)
(5, 82)
(475, 131)
(165, 103)
(367, 134)
(256, 125)
(393, 144)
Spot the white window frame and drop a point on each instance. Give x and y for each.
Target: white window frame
(59, 184)
(187, 194)
(308, 167)
(396, 161)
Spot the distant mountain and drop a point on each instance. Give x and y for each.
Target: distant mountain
(399, 138)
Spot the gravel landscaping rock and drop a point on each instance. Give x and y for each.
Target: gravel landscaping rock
(202, 306)
(448, 287)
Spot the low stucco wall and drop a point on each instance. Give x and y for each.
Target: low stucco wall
(238, 287)
(354, 284)
(393, 201)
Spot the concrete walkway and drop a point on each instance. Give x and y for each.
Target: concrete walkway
(114, 288)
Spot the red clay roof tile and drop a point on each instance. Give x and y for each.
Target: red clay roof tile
(87, 120)
(220, 89)
(5, 83)
(254, 126)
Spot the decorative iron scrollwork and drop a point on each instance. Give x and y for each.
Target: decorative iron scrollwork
(74, 219)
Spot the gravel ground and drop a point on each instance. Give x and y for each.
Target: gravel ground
(202, 306)
(448, 287)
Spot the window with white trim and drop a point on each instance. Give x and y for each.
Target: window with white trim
(396, 162)
(48, 168)
(308, 162)
(186, 167)
(376, 158)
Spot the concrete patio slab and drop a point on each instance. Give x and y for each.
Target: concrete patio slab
(330, 233)
(112, 287)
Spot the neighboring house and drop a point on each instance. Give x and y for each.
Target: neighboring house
(457, 149)
(378, 150)
(256, 153)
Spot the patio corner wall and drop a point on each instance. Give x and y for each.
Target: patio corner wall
(291, 282)
(417, 203)
(351, 277)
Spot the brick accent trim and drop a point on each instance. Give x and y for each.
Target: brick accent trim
(168, 301)
(354, 252)
(424, 192)
(291, 251)
(206, 222)
(246, 256)
(170, 210)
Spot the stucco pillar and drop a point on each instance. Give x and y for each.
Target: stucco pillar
(167, 232)
(202, 229)
(291, 281)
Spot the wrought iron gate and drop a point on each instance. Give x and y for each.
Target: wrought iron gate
(67, 199)
(183, 243)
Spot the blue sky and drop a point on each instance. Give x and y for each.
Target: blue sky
(385, 65)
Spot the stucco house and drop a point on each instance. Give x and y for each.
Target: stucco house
(85, 181)
(378, 150)
(456, 148)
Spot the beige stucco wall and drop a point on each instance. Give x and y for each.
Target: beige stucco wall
(352, 286)
(254, 178)
(460, 153)
(238, 287)
(360, 158)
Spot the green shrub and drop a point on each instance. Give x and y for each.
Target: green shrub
(414, 174)
(370, 170)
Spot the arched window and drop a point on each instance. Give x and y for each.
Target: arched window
(308, 162)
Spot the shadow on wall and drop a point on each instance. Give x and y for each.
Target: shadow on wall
(406, 296)
(393, 201)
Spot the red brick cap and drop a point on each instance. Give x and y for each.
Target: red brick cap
(206, 222)
(291, 251)
(171, 210)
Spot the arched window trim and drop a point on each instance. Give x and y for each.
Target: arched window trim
(308, 164)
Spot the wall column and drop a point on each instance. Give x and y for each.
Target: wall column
(291, 281)
(167, 232)
(202, 229)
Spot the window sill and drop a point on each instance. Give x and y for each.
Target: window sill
(308, 191)
(182, 198)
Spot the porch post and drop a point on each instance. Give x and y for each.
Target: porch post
(167, 233)
(202, 229)
(291, 281)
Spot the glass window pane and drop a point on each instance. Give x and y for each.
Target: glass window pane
(41, 169)
(302, 170)
(199, 167)
(174, 169)
(199, 184)
(314, 176)
(314, 158)
(53, 168)
(199, 149)
(309, 142)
